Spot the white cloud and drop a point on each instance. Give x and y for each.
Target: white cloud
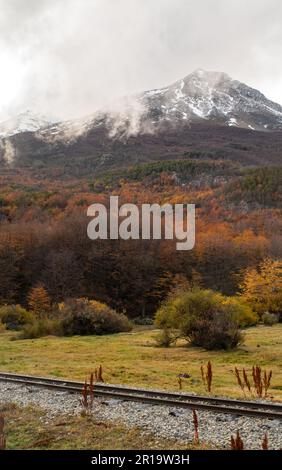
(72, 57)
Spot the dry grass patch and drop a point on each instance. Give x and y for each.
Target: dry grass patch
(133, 358)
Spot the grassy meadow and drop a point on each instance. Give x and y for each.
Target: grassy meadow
(133, 358)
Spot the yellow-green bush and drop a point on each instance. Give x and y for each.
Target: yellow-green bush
(261, 288)
(206, 318)
(14, 317)
(41, 327)
(241, 312)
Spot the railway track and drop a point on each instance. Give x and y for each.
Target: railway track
(171, 399)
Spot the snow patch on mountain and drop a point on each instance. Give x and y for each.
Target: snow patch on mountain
(200, 97)
(213, 96)
(232, 122)
(24, 122)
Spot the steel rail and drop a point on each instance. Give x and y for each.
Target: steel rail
(172, 399)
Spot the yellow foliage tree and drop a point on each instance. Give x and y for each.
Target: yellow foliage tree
(262, 287)
(39, 301)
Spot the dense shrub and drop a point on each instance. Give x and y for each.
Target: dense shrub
(219, 331)
(42, 327)
(78, 317)
(204, 318)
(83, 317)
(241, 312)
(270, 319)
(14, 317)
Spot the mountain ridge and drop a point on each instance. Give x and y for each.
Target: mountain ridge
(27, 121)
(215, 96)
(204, 115)
(201, 95)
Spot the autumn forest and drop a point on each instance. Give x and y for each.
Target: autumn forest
(43, 239)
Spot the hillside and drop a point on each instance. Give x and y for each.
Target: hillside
(96, 152)
(207, 115)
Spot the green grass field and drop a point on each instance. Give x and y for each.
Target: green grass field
(133, 358)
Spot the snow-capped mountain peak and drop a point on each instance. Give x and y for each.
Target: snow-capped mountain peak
(213, 96)
(202, 96)
(27, 121)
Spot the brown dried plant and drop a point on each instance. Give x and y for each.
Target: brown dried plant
(257, 379)
(91, 389)
(264, 444)
(266, 381)
(239, 381)
(261, 381)
(179, 380)
(88, 394)
(99, 374)
(236, 442)
(2, 434)
(203, 376)
(246, 381)
(84, 399)
(207, 376)
(196, 427)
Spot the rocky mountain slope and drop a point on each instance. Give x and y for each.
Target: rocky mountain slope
(213, 96)
(205, 115)
(24, 122)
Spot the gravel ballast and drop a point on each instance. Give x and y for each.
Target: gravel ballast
(215, 429)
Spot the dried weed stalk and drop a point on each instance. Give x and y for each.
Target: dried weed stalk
(260, 381)
(236, 442)
(207, 376)
(264, 444)
(99, 374)
(196, 427)
(2, 434)
(179, 380)
(88, 395)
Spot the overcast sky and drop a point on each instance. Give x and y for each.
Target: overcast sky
(67, 58)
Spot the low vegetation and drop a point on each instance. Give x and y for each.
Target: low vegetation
(206, 374)
(260, 186)
(133, 358)
(269, 319)
(83, 317)
(205, 319)
(41, 327)
(15, 317)
(258, 383)
(202, 317)
(236, 442)
(31, 429)
(76, 317)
